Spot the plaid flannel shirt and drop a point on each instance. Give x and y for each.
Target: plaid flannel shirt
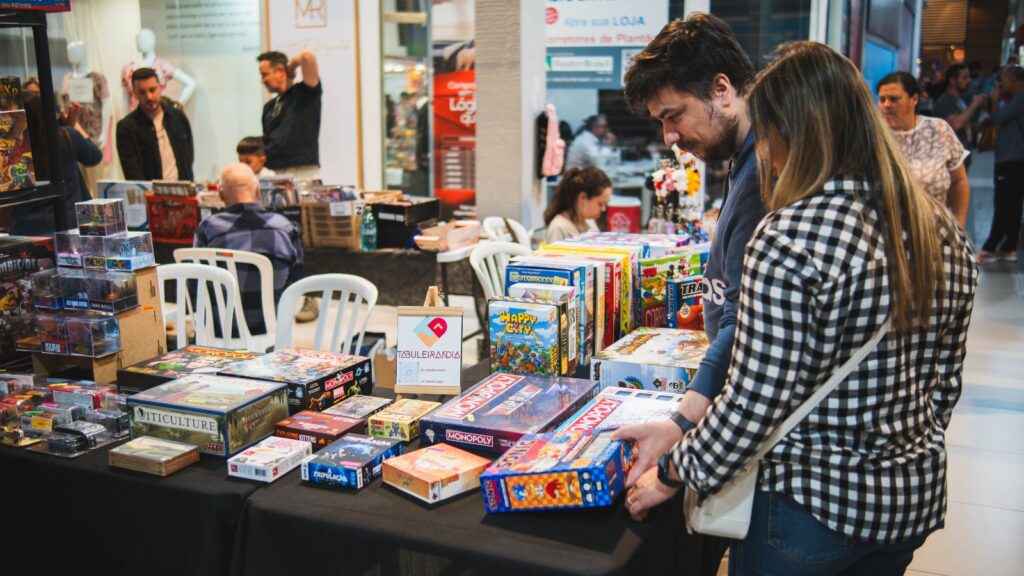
(870, 460)
(250, 227)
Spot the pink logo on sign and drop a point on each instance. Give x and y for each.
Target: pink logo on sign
(438, 326)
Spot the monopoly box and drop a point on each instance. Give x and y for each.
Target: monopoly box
(493, 414)
(435, 473)
(614, 407)
(529, 336)
(401, 420)
(270, 459)
(651, 359)
(558, 470)
(352, 461)
(316, 380)
(174, 365)
(318, 428)
(220, 415)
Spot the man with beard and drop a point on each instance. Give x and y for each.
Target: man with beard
(154, 142)
(692, 77)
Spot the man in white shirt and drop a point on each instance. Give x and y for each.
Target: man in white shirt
(586, 148)
(154, 142)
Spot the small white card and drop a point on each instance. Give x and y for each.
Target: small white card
(81, 90)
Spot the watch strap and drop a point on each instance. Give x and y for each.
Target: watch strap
(681, 421)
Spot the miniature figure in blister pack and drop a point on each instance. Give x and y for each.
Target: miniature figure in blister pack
(100, 217)
(69, 248)
(93, 336)
(43, 334)
(46, 289)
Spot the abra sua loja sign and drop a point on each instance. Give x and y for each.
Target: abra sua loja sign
(429, 350)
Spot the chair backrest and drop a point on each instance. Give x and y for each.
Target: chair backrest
(215, 290)
(354, 291)
(506, 230)
(229, 260)
(489, 260)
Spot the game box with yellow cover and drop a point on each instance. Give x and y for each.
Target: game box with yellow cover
(529, 336)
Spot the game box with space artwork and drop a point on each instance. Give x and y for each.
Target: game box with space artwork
(269, 459)
(178, 363)
(221, 415)
(155, 456)
(352, 461)
(317, 428)
(435, 473)
(558, 470)
(316, 380)
(401, 420)
(651, 359)
(615, 407)
(493, 414)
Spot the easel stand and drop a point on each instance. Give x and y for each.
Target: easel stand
(429, 348)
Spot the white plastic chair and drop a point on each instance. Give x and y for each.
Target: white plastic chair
(506, 230)
(229, 260)
(215, 291)
(353, 290)
(489, 260)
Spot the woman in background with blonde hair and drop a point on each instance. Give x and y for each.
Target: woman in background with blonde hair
(850, 243)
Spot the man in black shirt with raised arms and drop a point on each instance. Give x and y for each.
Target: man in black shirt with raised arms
(291, 119)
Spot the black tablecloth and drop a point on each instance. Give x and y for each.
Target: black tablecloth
(81, 516)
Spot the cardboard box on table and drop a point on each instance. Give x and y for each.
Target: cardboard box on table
(651, 359)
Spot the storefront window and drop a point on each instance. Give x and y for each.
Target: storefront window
(405, 89)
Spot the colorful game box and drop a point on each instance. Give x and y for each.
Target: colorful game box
(558, 470)
(359, 408)
(220, 415)
(493, 414)
(663, 359)
(580, 275)
(317, 428)
(435, 473)
(20, 256)
(316, 380)
(401, 420)
(528, 336)
(552, 293)
(174, 365)
(615, 407)
(17, 170)
(352, 461)
(270, 459)
(649, 286)
(683, 307)
(153, 456)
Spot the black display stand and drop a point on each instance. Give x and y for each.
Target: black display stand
(54, 189)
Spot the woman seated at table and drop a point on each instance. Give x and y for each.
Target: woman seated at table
(581, 197)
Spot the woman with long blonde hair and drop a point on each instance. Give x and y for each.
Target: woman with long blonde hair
(849, 245)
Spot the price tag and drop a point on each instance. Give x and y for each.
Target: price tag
(341, 208)
(81, 90)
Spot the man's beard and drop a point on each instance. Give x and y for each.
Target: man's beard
(725, 146)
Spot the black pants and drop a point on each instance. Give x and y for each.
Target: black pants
(1009, 208)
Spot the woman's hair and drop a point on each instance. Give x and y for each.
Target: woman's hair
(815, 103)
(590, 180)
(908, 82)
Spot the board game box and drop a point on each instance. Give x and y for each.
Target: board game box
(270, 459)
(174, 365)
(316, 380)
(528, 336)
(614, 407)
(493, 414)
(683, 306)
(359, 408)
(317, 428)
(20, 256)
(17, 170)
(220, 415)
(650, 285)
(401, 420)
(558, 470)
(651, 359)
(435, 473)
(153, 455)
(580, 275)
(552, 293)
(352, 461)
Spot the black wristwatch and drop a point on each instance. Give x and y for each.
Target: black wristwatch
(664, 466)
(681, 421)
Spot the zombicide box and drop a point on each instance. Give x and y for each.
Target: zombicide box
(352, 461)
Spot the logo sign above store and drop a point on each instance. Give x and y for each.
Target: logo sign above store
(575, 23)
(44, 5)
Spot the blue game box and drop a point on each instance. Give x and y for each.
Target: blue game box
(352, 461)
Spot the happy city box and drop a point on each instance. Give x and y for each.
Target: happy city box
(435, 473)
(558, 470)
(317, 428)
(493, 414)
(401, 420)
(614, 407)
(220, 415)
(316, 380)
(174, 365)
(651, 359)
(352, 461)
(270, 459)
(529, 336)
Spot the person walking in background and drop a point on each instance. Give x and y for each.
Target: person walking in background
(935, 155)
(1004, 235)
(951, 106)
(850, 245)
(291, 119)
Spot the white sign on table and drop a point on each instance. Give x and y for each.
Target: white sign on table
(429, 350)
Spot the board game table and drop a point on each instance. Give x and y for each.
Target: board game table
(296, 528)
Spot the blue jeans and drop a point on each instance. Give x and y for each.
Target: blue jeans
(786, 540)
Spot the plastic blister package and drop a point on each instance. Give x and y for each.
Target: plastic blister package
(101, 217)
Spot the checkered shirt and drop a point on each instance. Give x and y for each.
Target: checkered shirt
(250, 227)
(870, 460)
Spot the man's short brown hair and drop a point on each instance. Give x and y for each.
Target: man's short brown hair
(143, 74)
(275, 58)
(250, 145)
(687, 55)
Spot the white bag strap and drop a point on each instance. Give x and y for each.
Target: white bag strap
(814, 399)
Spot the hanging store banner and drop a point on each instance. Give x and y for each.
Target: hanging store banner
(454, 56)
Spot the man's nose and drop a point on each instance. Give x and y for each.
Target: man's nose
(671, 138)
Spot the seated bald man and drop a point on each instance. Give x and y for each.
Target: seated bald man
(246, 225)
